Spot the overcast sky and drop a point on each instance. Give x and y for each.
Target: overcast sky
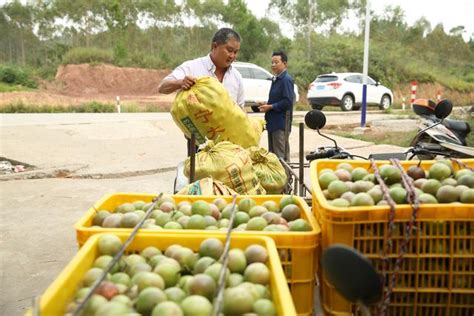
(451, 13)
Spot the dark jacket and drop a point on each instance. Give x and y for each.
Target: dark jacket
(281, 97)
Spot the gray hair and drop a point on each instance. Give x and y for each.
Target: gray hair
(225, 34)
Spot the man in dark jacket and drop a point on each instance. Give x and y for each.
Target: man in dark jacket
(279, 107)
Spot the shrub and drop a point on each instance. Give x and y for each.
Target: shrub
(84, 55)
(14, 75)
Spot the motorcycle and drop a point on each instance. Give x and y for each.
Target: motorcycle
(440, 134)
(434, 139)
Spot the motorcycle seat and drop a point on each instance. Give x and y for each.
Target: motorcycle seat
(458, 126)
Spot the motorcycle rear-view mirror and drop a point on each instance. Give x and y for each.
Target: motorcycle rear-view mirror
(315, 119)
(352, 274)
(443, 109)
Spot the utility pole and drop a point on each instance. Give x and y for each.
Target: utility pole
(310, 27)
(366, 64)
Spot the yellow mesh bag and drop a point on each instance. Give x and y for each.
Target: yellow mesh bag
(228, 163)
(206, 186)
(269, 170)
(208, 111)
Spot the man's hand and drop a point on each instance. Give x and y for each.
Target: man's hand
(265, 107)
(187, 82)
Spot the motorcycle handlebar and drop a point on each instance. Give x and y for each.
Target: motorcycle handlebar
(321, 155)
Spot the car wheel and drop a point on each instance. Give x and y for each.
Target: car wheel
(255, 108)
(317, 106)
(347, 103)
(385, 103)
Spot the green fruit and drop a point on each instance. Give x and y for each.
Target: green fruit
(125, 208)
(201, 208)
(271, 206)
(175, 294)
(362, 199)
(337, 188)
(462, 172)
(150, 252)
(211, 247)
(167, 309)
(431, 186)
(112, 309)
(256, 223)
(343, 175)
(339, 202)
(145, 280)
(109, 244)
(286, 200)
(257, 210)
(99, 217)
(103, 261)
(467, 180)
(220, 203)
(345, 165)
(235, 279)
(170, 273)
(139, 205)
(447, 194)
(202, 284)
(376, 194)
(196, 305)
(427, 198)
(439, 171)
(241, 218)
(120, 278)
(362, 186)
(129, 220)
(325, 179)
(390, 174)
(237, 260)
(214, 271)
(398, 195)
(237, 301)
(256, 253)
(359, 173)
(449, 181)
(172, 225)
(203, 263)
(467, 196)
(148, 298)
(257, 272)
(196, 222)
(291, 212)
(299, 225)
(246, 204)
(162, 218)
(264, 307)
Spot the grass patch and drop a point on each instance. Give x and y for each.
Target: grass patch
(4, 87)
(90, 107)
(401, 139)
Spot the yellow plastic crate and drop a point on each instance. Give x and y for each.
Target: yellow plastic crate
(62, 290)
(439, 261)
(299, 251)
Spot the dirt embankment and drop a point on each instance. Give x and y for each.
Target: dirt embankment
(76, 84)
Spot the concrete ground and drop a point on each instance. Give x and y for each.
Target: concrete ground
(79, 158)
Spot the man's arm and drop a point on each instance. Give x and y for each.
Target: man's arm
(168, 86)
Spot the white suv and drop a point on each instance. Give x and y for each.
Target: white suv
(345, 90)
(257, 82)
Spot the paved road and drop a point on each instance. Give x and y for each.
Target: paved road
(99, 154)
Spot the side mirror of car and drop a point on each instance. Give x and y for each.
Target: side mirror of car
(377, 83)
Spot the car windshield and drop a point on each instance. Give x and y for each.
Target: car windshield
(325, 78)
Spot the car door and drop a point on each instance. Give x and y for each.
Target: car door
(353, 84)
(373, 94)
(249, 84)
(263, 83)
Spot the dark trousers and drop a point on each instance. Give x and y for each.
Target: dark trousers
(278, 144)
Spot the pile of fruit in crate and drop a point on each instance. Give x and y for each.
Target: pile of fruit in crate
(177, 281)
(347, 186)
(269, 216)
